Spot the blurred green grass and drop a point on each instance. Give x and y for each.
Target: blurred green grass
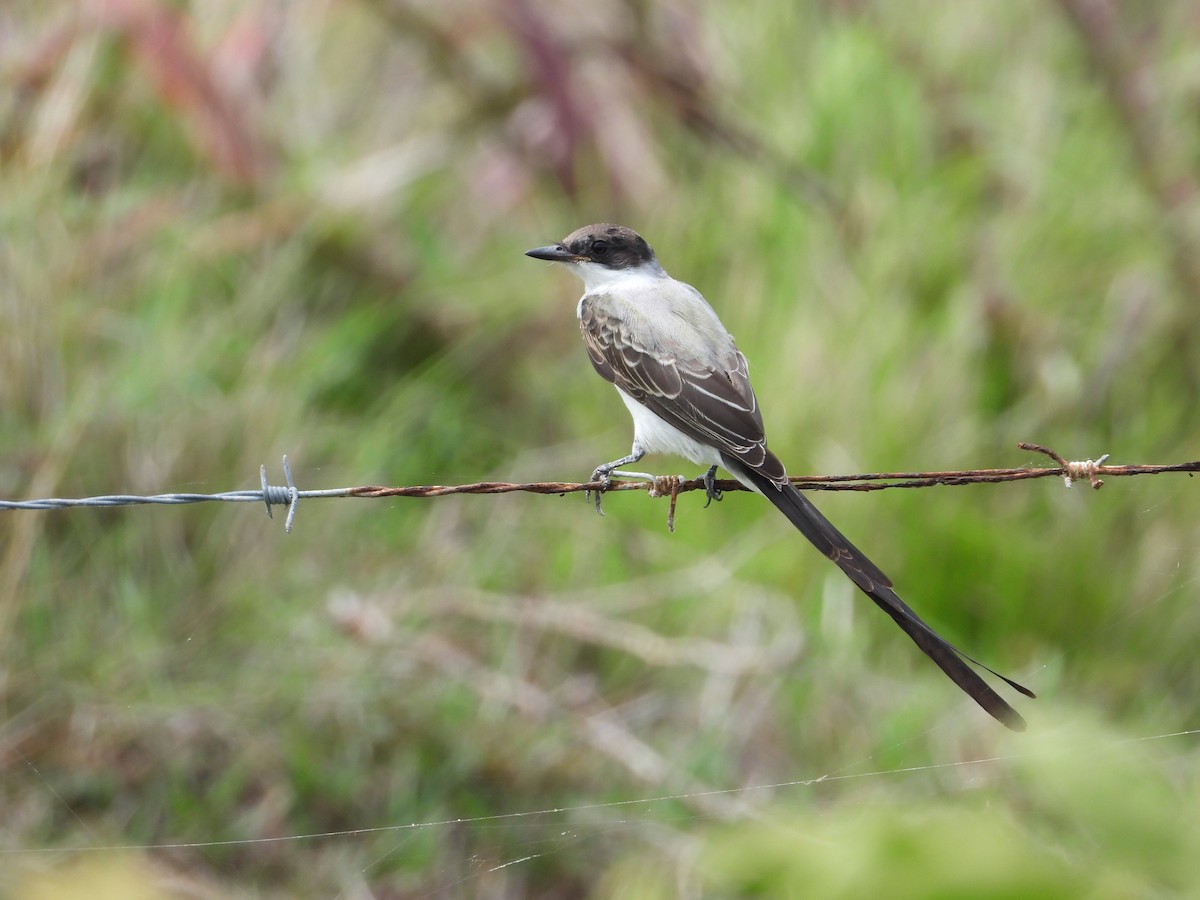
(230, 231)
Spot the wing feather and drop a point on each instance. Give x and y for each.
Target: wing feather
(704, 393)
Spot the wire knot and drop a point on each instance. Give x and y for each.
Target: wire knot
(1081, 469)
(665, 485)
(279, 495)
(1072, 471)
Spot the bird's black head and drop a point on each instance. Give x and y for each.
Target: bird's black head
(613, 246)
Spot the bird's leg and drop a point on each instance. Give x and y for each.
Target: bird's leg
(710, 487)
(604, 472)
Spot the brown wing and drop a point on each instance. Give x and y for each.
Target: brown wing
(709, 400)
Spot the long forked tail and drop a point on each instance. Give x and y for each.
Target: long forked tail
(872, 582)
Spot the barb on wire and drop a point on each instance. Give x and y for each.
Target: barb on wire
(288, 495)
(662, 486)
(272, 495)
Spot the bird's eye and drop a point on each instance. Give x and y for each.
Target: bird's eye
(599, 248)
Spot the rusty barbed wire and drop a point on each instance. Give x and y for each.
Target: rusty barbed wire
(1093, 471)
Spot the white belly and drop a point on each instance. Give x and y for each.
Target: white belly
(653, 435)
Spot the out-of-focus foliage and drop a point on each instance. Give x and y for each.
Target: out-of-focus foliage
(230, 230)
(1096, 791)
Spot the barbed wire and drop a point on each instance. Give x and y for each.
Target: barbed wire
(658, 486)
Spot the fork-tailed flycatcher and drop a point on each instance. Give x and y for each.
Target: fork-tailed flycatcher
(688, 387)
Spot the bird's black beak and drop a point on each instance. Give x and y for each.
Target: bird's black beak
(554, 253)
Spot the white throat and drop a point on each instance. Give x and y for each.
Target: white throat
(596, 277)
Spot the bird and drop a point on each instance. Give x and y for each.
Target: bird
(687, 386)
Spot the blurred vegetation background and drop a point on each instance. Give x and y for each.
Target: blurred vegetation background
(232, 230)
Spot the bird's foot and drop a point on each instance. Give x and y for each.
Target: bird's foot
(710, 487)
(602, 474)
(605, 474)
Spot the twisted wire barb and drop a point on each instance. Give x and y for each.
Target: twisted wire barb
(664, 486)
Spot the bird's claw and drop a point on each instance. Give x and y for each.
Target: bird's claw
(603, 474)
(710, 487)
